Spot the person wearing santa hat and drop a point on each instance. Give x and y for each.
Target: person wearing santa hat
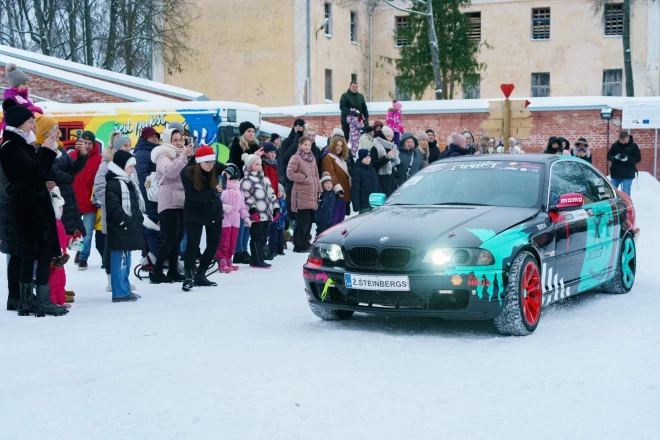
(204, 179)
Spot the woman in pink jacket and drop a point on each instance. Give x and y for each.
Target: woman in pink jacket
(170, 158)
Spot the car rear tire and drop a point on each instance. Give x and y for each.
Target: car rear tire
(329, 314)
(521, 307)
(626, 268)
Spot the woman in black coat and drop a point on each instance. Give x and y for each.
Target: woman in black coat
(365, 182)
(31, 206)
(202, 210)
(9, 244)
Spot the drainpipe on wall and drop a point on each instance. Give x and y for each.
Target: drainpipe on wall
(371, 51)
(309, 59)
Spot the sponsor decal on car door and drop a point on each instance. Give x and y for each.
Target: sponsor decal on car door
(600, 250)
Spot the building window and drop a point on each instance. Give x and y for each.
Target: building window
(613, 17)
(401, 24)
(328, 16)
(541, 24)
(354, 78)
(475, 22)
(354, 29)
(540, 85)
(613, 82)
(400, 92)
(328, 84)
(472, 86)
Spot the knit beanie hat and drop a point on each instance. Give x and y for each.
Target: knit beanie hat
(388, 132)
(245, 126)
(429, 131)
(15, 77)
(120, 141)
(232, 170)
(204, 154)
(274, 137)
(249, 159)
(362, 154)
(396, 105)
(270, 147)
(123, 159)
(337, 132)
(280, 188)
(89, 136)
(326, 178)
(176, 125)
(15, 115)
(44, 125)
(149, 131)
(299, 122)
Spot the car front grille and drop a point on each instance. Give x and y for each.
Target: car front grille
(364, 256)
(389, 258)
(395, 258)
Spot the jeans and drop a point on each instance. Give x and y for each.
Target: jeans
(121, 269)
(243, 238)
(89, 221)
(624, 184)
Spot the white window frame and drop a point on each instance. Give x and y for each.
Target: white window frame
(354, 27)
(611, 83)
(540, 86)
(327, 13)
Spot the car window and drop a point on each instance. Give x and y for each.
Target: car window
(567, 178)
(597, 184)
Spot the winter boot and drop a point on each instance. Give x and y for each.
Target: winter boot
(157, 277)
(76, 260)
(131, 297)
(44, 304)
(69, 299)
(201, 280)
(189, 282)
(224, 267)
(69, 293)
(27, 303)
(175, 276)
(238, 258)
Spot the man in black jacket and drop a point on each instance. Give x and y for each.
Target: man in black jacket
(624, 155)
(298, 127)
(352, 103)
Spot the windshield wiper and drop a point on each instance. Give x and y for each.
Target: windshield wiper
(459, 204)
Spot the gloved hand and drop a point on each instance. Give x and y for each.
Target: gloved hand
(227, 208)
(276, 214)
(254, 215)
(624, 158)
(617, 157)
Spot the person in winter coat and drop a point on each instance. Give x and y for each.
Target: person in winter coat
(513, 148)
(262, 205)
(18, 90)
(456, 148)
(355, 129)
(64, 171)
(288, 143)
(471, 146)
(324, 215)
(203, 211)
(365, 183)
(490, 146)
(352, 103)
(423, 140)
(116, 142)
(246, 144)
(276, 242)
(124, 205)
(170, 158)
(9, 243)
(434, 150)
(395, 120)
(624, 155)
(553, 146)
(235, 212)
(25, 170)
(144, 166)
(367, 139)
(57, 276)
(334, 163)
(582, 150)
(304, 174)
(385, 159)
(269, 162)
(411, 159)
(83, 187)
(291, 152)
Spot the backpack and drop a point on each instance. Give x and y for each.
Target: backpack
(153, 186)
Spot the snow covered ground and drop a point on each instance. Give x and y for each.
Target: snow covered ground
(247, 360)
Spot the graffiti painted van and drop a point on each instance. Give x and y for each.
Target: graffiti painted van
(213, 123)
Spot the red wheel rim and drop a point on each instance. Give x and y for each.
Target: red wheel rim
(530, 293)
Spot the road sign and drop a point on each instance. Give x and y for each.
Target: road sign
(641, 115)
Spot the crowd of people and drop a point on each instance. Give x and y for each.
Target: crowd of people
(164, 195)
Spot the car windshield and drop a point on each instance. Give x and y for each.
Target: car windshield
(484, 183)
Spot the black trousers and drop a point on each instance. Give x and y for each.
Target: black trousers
(14, 277)
(27, 271)
(304, 222)
(194, 232)
(258, 239)
(346, 129)
(99, 238)
(276, 241)
(106, 254)
(287, 191)
(172, 227)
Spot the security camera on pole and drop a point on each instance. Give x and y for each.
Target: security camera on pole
(508, 117)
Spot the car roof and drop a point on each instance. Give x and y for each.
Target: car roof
(531, 158)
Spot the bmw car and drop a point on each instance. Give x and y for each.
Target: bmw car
(497, 237)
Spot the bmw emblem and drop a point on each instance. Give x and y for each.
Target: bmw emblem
(384, 239)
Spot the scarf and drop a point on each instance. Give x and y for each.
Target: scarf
(19, 132)
(307, 157)
(233, 195)
(272, 162)
(381, 148)
(122, 177)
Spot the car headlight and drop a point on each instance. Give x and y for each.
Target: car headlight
(459, 257)
(328, 253)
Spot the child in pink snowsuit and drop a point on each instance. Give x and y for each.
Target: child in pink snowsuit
(395, 120)
(18, 89)
(57, 278)
(233, 202)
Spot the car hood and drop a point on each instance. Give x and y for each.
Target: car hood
(421, 227)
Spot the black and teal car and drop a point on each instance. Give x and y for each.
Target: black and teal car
(495, 237)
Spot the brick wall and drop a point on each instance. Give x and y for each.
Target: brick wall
(569, 124)
(62, 92)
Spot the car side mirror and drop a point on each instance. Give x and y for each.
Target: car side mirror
(568, 202)
(377, 199)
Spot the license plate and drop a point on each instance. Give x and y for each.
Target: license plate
(377, 282)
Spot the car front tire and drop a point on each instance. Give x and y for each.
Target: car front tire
(329, 314)
(626, 269)
(521, 308)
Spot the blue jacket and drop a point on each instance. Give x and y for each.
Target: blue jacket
(144, 166)
(282, 222)
(326, 209)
